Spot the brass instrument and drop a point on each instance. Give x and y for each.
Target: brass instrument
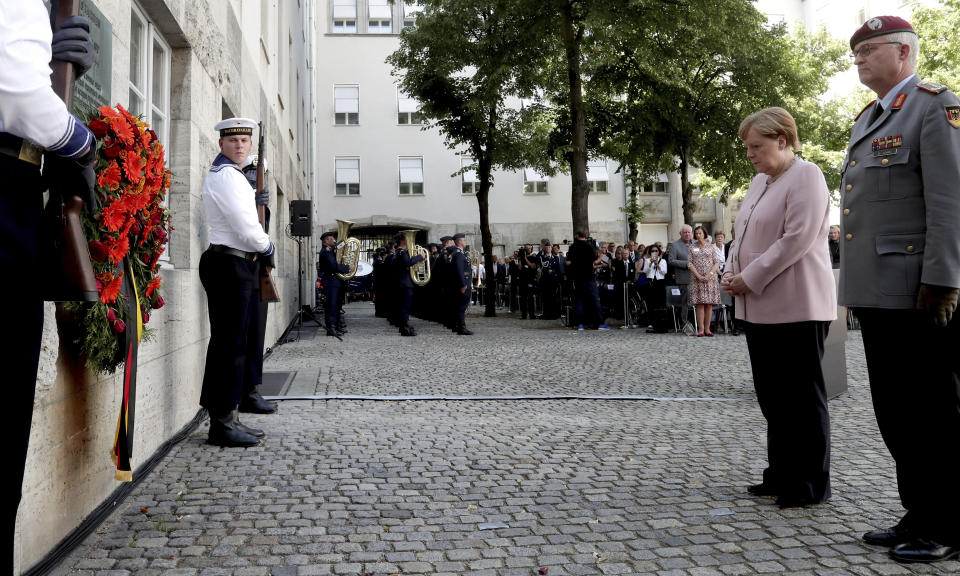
(419, 272)
(476, 261)
(348, 251)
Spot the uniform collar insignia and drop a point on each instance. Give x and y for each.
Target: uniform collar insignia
(898, 101)
(953, 115)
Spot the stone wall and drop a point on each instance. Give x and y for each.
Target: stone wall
(69, 470)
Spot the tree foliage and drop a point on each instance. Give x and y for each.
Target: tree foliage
(939, 56)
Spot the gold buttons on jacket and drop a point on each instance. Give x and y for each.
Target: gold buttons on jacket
(911, 249)
(849, 236)
(849, 187)
(885, 161)
(853, 163)
(846, 211)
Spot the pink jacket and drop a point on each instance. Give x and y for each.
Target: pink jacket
(780, 249)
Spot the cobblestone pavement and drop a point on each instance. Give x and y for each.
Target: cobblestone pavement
(577, 486)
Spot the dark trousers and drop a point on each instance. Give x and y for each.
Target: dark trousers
(588, 302)
(514, 294)
(526, 301)
(788, 378)
(404, 301)
(331, 304)
(253, 376)
(232, 287)
(462, 303)
(20, 206)
(549, 292)
(916, 397)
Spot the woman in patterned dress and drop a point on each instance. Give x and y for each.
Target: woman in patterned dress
(703, 263)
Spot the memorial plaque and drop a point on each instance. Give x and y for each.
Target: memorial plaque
(92, 90)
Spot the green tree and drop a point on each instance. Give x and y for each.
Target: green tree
(462, 61)
(939, 56)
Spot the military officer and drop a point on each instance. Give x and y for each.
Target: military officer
(402, 263)
(439, 273)
(229, 272)
(900, 274)
(33, 120)
(332, 284)
(460, 282)
(252, 401)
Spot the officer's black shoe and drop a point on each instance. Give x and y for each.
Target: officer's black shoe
(224, 432)
(463, 331)
(407, 331)
(923, 550)
(334, 333)
(762, 489)
(890, 537)
(255, 432)
(254, 403)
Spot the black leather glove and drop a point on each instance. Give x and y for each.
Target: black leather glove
(939, 302)
(263, 197)
(75, 177)
(71, 43)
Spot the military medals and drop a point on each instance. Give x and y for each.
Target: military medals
(953, 115)
(887, 145)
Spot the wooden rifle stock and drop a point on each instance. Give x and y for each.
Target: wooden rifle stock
(268, 289)
(70, 274)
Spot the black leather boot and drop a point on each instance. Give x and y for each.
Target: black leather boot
(255, 432)
(224, 432)
(254, 403)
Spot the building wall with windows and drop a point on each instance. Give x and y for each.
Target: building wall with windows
(182, 65)
(377, 166)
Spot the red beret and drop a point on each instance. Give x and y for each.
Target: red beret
(880, 26)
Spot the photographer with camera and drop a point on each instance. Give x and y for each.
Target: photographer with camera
(581, 259)
(528, 278)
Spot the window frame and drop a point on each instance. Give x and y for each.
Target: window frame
(412, 189)
(531, 186)
(343, 24)
(465, 179)
(346, 115)
(336, 182)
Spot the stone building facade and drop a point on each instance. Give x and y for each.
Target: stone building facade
(182, 65)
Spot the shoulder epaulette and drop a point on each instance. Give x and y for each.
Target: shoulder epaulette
(931, 87)
(864, 110)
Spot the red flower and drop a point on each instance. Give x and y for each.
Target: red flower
(112, 151)
(112, 290)
(146, 317)
(111, 315)
(119, 326)
(152, 287)
(133, 168)
(98, 250)
(119, 249)
(99, 128)
(109, 177)
(153, 136)
(122, 129)
(113, 216)
(159, 303)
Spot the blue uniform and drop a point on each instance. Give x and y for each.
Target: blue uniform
(332, 285)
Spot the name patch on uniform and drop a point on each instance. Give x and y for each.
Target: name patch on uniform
(887, 145)
(953, 115)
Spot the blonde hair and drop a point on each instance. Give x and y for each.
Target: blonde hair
(772, 122)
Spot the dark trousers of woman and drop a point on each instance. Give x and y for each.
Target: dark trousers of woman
(788, 378)
(527, 307)
(916, 397)
(20, 206)
(232, 285)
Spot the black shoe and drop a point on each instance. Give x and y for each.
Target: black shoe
(407, 331)
(890, 537)
(798, 501)
(923, 550)
(255, 404)
(463, 331)
(229, 437)
(762, 489)
(734, 332)
(255, 432)
(334, 333)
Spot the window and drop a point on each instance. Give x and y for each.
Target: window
(348, 176)
(471, 183)
(149, 88)
(344, 16)
(408, 110)
(658, 187)
(534, 182)
(597, 175)
(410, 12)
(346, 104)
(380, 26)
(411, 176)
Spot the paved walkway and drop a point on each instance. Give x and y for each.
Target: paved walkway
(519, 487)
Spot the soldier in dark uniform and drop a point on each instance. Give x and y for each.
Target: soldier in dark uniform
(440, 275)
(32, 116)
(513, 272)
(528, 278)
(229, 272)
(549, 268)
(332, 284)
(379, 283)
(402, 265)
(390, 283)
(900, 274)
(460, 281)
(580, 268)
(252, 401)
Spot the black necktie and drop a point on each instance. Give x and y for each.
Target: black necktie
(877, 111)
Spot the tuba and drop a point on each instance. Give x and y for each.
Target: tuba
(476, 261)
(349, 250)
(419, 272)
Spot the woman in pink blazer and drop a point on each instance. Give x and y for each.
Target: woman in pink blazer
(779, 271)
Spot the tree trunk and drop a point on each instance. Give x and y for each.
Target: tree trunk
(486, 238)
(686, 189)
(633, 200)
(578, 156)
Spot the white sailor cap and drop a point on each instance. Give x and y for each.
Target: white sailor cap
(235, 127)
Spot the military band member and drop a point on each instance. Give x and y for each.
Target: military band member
(230, 275)
(549, 268)
(528, 277)
(402, 264)
(332, 284)
(900, 274)
(33, 119)
(252, 401)
(446, 308)
(460, 282)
